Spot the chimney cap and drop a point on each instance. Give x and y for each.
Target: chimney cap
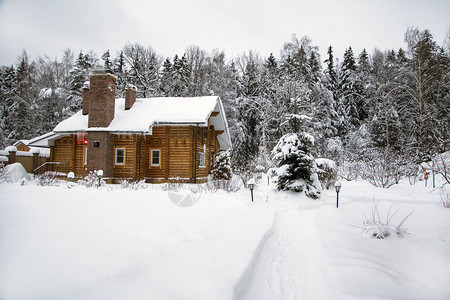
(101, 71)
(131, 86)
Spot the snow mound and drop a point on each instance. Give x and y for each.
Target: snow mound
(16, 172)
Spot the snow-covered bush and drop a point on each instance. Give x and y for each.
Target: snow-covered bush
(296, 168)
(174, 185)
(351, 170)
(4, 176)
(328, 172)
(93, 179)
(14, 172)
(232, 185)
(441, 165)
(381, 228)
(445, 196)
(222, 167)
(47, 179)
(133, 185)
(383, 168)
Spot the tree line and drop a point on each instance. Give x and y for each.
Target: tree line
(390, 107)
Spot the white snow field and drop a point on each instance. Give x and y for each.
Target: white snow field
(108, 243)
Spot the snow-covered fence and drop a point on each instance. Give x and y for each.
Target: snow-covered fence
(30, 160)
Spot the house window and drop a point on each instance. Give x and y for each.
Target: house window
(120, 156)
(201, 159)
(155, 157)
(85, 154)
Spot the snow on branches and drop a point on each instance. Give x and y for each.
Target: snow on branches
(296, 168)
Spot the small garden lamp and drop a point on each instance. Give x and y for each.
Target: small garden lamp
(99, 174)
(337, 186)
(251, 185)
(70, 176)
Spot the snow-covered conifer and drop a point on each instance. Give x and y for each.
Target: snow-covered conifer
(297, 170)
(222, 166)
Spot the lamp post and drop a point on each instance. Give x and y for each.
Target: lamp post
(70, 176)
(251, 185)
(337, 186)
(99, 174)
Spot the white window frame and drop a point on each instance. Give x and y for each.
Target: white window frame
(85, 154)
(202, 160)
(159, 158)
(115, 157)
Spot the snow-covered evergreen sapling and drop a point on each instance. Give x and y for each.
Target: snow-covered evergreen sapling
(222, 167)
(296, 168)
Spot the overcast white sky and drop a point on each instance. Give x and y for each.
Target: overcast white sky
(48, 27)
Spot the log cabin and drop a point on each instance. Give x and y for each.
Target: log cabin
(152, 139)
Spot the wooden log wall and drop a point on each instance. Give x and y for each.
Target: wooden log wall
(62, 152)
(129, 143)
(206, 140)
(179, 158)
(156, 141)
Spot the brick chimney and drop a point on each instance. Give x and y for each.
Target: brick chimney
(130, 96)
(101, 98)
(86, 97)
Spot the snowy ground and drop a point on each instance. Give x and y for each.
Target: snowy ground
(78, 243)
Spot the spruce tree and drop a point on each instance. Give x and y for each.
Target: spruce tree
(7, 93)
(121, 75)
(166, 78)
(79, 75)
(222, 168)
(108, 65)
(296, 168)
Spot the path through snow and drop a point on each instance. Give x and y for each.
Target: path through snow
(288, 267)
(316, 251)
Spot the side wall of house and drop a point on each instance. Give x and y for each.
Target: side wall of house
(157, 141)
(70, 152)
(208, 144)
(179, 148)
(129, 169)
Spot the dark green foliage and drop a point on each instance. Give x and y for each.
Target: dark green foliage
(222, 166)
(296, 167)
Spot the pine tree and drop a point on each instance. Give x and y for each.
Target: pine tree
(180, 77)
(222, 167)
(364, 63)
(108, 65)
(350, 91)
(330, 73)
(121, 74)
(297, 170)
(166, 78)
(7, 94)
(22, 111)
(79, 75)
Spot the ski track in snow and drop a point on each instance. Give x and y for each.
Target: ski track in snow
(306, 254)
(287, 265)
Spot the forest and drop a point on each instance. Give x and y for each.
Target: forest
(385, 109)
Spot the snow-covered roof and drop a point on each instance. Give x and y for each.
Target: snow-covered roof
(148, 112)
(39, 141)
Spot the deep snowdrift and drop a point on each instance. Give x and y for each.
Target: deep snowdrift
(60, 243)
